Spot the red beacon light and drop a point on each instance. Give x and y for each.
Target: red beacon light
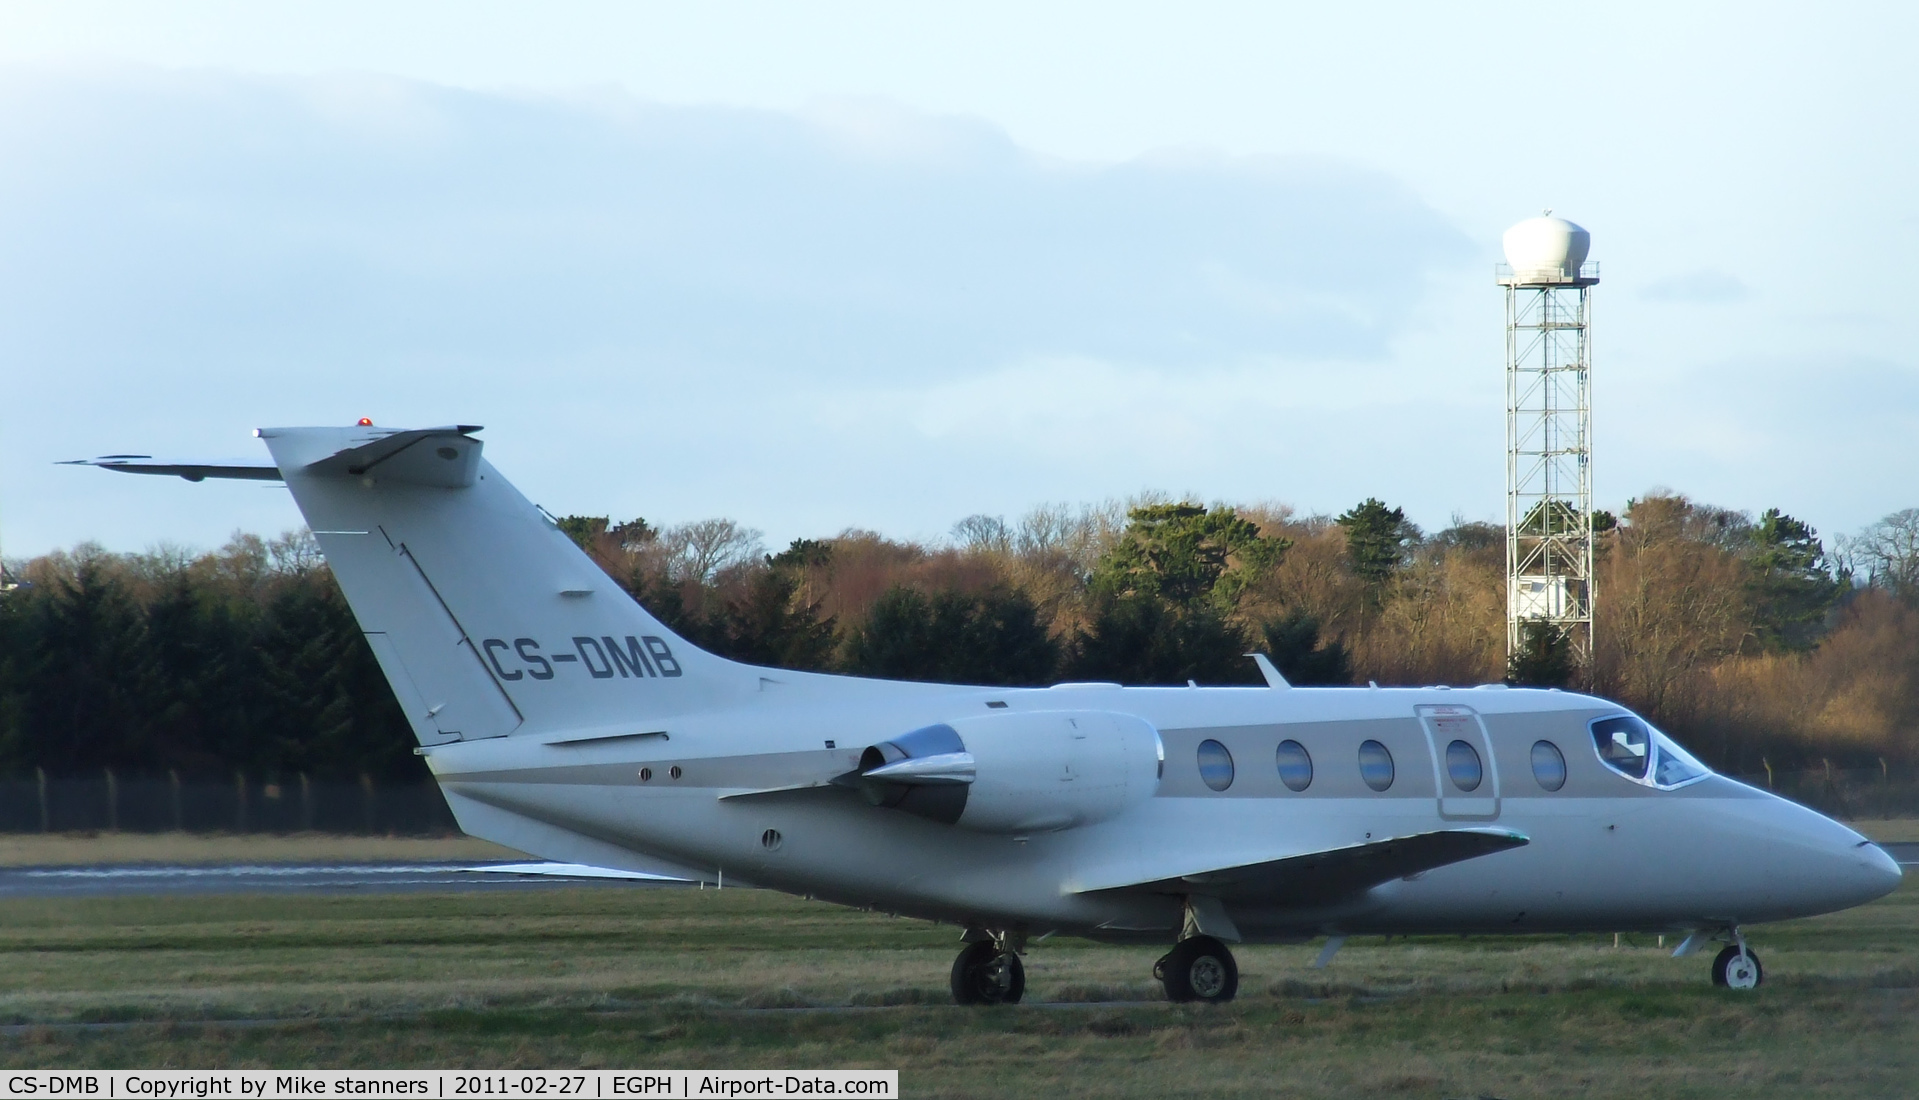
(366, 422)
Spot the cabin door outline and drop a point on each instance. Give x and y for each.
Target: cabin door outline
(1444, 724)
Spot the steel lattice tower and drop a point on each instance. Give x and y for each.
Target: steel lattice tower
(1549, 490)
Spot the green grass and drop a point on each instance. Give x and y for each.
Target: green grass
(686, 978)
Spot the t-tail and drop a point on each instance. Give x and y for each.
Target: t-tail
(486, 618)
(477, 605)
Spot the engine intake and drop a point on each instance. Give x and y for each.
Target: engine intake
(1016, 772)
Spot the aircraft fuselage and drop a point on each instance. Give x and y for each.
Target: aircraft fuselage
(1605, 852)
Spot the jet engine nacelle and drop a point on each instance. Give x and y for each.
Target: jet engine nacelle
(1017, 772)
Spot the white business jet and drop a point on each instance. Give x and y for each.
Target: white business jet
(563, 720)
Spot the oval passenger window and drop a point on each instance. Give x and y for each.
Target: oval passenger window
(1295, 766)
(1215, 765)
(1462, 763)
(1549, 765)
(1375, 765)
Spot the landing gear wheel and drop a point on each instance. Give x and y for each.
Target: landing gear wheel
(987, 974)
(1737, 968)
(1198, 969)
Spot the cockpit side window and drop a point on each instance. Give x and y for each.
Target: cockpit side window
(1624, 744)
(1637, 751)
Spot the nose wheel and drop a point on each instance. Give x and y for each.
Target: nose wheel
(1737, 967)
(1198, 968)
(988, 973)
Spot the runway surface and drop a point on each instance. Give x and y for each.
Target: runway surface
(148, 880)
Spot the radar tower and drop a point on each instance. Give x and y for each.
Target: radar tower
(1549, 536)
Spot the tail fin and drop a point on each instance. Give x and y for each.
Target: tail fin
(486, 618)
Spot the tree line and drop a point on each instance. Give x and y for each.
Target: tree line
(1748, 638)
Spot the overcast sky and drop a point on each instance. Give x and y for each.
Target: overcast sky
(881, 265)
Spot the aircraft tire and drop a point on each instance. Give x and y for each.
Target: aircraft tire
(984, 974)
(1198, 969)
(1730, 972)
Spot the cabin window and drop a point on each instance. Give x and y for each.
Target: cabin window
(1462, 763)
(1549, 765)
(1215, 765)
(1375, 765)
(1295, 766)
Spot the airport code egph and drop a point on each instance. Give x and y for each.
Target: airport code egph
(272, 1085)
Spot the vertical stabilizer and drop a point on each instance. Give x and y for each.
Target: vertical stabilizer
(485, 617)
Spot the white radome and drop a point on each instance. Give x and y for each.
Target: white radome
(1546, 248)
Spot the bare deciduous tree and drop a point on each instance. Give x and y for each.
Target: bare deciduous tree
(1887, 553)
(701, 550)
(1675, 600)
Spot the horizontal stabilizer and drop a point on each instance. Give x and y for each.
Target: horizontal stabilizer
(1321, 876)
(449, 459)
(192, 471)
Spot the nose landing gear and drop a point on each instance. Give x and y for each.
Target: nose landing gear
(1737, 967)
(1198, 968)
(988, 971)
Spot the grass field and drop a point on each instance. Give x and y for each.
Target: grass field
(677, 977)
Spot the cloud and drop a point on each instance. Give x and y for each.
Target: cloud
(181, 250)
(1824, 437)
(1706, 287)
(355, 212)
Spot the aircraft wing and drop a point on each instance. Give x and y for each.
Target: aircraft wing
(571, 870)
(1323, 875)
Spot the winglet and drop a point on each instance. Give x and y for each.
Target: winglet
(1266, 669)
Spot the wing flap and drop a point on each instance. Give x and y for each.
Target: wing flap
(1327, 874)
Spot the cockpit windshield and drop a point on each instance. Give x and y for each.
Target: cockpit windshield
(1676, 766)
(1637, 751)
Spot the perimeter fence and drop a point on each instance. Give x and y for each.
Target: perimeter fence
(1845, 793)
(106, 802)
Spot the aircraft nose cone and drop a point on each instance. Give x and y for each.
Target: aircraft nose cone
(1880, 869)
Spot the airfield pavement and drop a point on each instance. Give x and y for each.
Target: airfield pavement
(346, 973)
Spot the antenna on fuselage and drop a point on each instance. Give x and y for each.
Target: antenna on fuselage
(1266, 669)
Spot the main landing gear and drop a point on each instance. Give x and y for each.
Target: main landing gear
(1198, 968)
(988, 971)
